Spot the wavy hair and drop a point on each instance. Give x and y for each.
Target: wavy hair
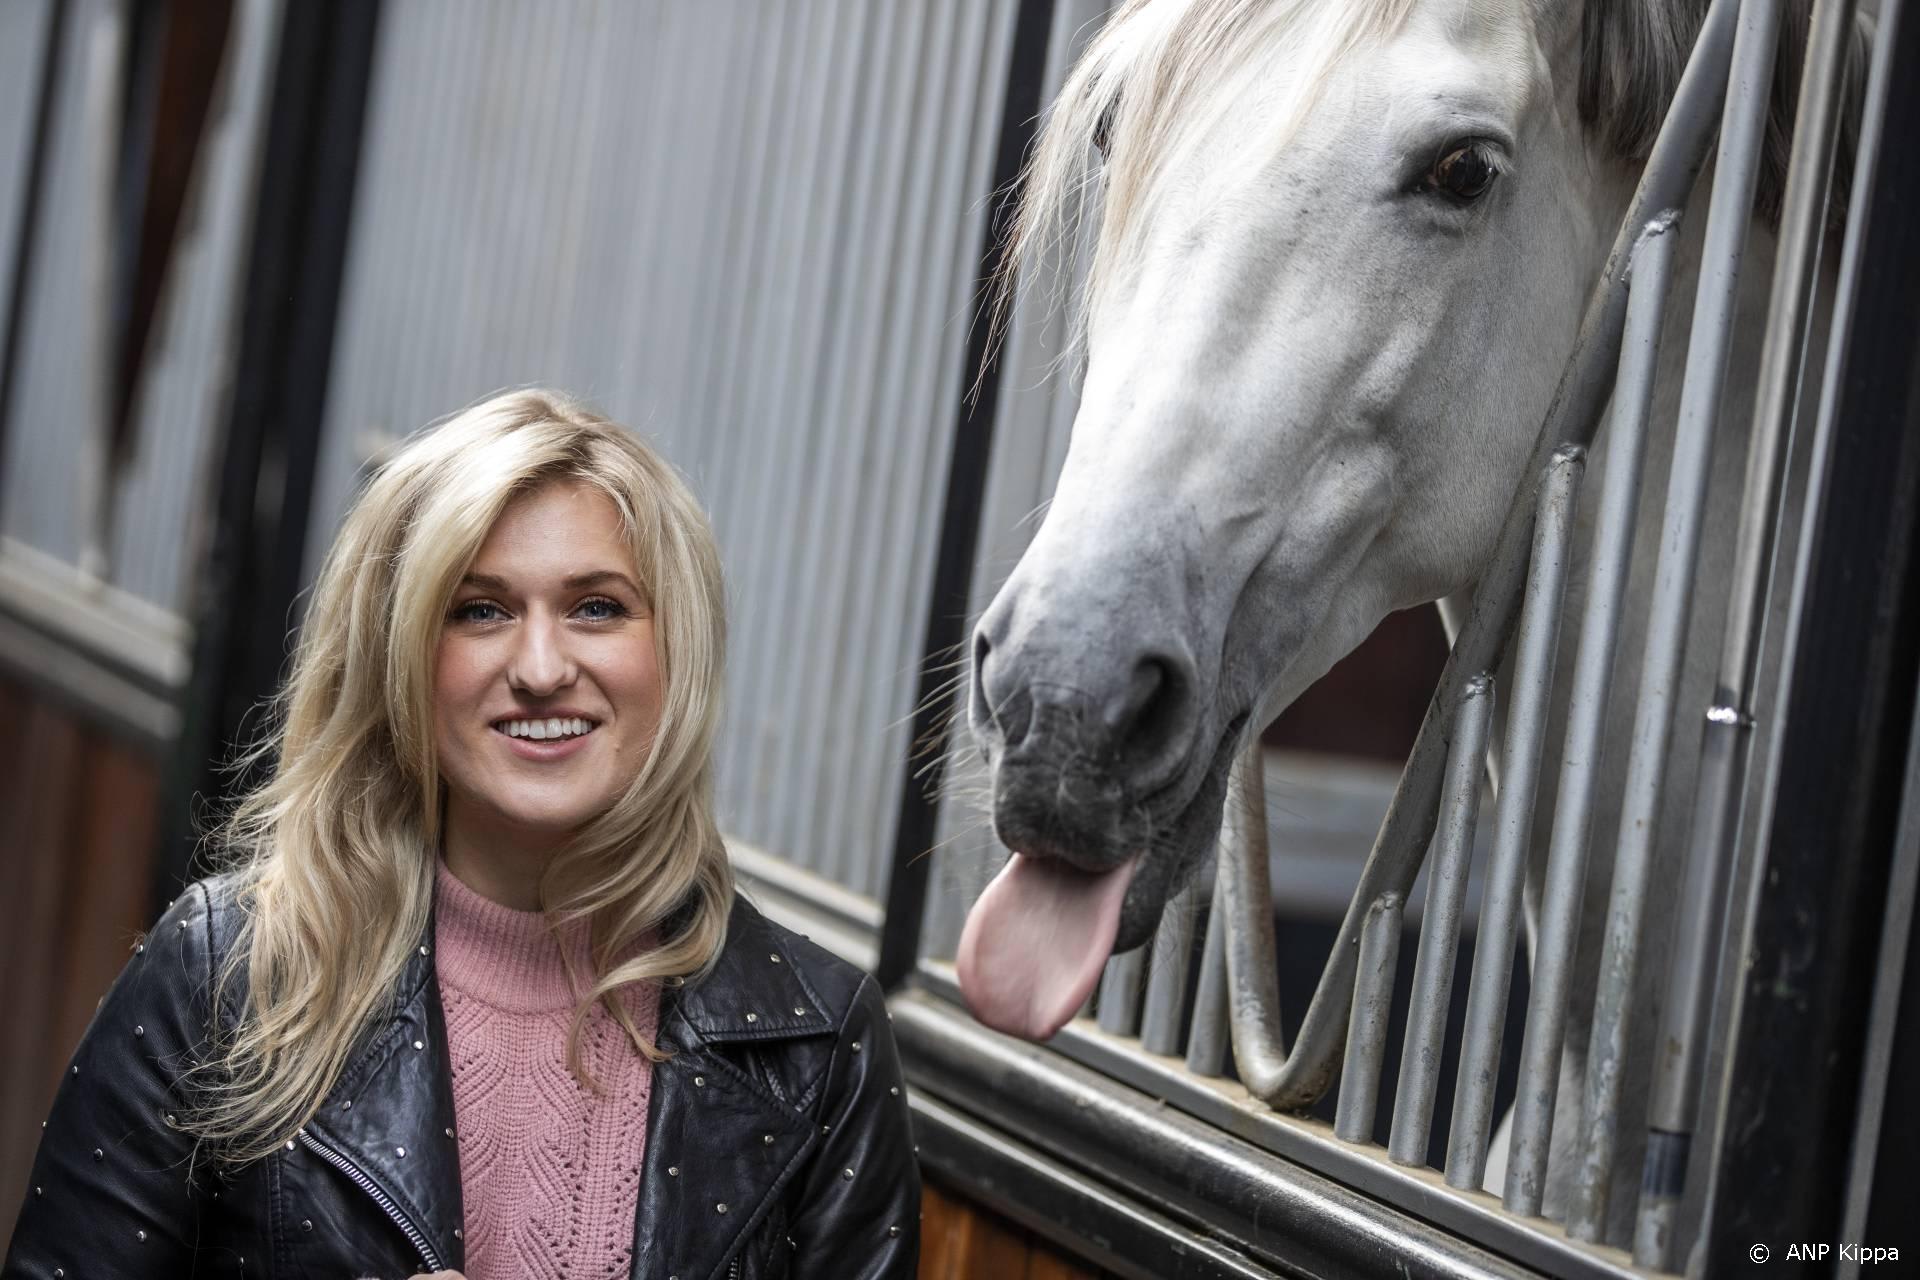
(333, 855)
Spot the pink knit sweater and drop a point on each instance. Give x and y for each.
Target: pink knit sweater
(549, 1170)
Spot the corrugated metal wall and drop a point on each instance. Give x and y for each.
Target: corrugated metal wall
(748, 228)
(47, 463)
(23, 26)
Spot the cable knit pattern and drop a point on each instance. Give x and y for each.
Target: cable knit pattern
(549, 1170)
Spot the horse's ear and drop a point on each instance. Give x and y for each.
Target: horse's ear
(1632, 53)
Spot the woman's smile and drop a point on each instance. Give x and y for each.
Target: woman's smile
(545, 738)
(547, 686)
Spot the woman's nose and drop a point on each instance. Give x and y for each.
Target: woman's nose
(541, 663)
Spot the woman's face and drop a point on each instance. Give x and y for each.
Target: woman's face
(547, 689)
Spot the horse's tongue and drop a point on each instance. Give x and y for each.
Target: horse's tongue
(1035, 942)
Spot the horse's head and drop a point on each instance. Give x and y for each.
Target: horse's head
(1342, 251)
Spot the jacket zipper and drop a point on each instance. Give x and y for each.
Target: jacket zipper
(381, 1198)
(733, 1272)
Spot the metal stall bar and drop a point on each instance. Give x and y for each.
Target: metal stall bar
(1440, 930)
(1162, 1018)
(1507, 863)
(1649, 274)
(1742, 134)
(1298, 1079)
(1207, 1028)
(1120, 993)
(1812, 911)
(1367, 1023)
(1727, 734)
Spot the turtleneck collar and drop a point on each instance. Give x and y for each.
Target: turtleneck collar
(509, 959)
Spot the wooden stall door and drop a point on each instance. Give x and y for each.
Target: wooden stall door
(77, 809)
(960, 1240)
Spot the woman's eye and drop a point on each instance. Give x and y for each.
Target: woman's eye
(477, 611)
(1465, 172)
(601, 609)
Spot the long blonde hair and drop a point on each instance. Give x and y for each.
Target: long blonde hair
(334, 854)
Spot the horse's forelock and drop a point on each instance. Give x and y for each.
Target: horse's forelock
(1149, 80)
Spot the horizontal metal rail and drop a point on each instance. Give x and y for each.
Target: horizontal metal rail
(1273, 1210)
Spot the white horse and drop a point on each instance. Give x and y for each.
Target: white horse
(1341, 249)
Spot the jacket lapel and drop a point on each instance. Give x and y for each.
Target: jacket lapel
(720, 1143)
(391, 1117)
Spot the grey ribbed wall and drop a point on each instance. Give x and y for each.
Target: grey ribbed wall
(747, 227)
(47, 435)
(23, 25)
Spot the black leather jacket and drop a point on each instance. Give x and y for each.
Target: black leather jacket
(778, 1139)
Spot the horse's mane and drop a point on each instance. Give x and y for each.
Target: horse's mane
(1633, 51)
(1150, 80)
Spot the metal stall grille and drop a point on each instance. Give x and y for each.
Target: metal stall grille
(1629, 1184)
(746, 230)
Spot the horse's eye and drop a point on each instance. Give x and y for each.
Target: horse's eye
(1465, 172)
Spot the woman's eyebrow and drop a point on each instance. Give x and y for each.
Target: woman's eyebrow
(600, 577)
(595, 578)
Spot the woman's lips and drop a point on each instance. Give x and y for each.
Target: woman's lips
(546, 749)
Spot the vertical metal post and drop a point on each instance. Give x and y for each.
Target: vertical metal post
(1440, 929)
(1119, 1010)
(1207, 1030)
(1545, 1034)
(1727, 735)
(1367, 1024)
(1520, 760)
(1742, 132)
(1162, 1020)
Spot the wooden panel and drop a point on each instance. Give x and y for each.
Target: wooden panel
(1372, 701)
(959, 1240)
(108, 885)
(79, 808)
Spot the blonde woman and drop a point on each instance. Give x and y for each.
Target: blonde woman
(476, 994)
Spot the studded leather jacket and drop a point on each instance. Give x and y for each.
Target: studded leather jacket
(778, 1141)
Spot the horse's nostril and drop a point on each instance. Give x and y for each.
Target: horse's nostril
(1143, 686)
(1150, 706)
(1010, 709)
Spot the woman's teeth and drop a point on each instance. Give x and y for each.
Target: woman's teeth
(540, 729)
